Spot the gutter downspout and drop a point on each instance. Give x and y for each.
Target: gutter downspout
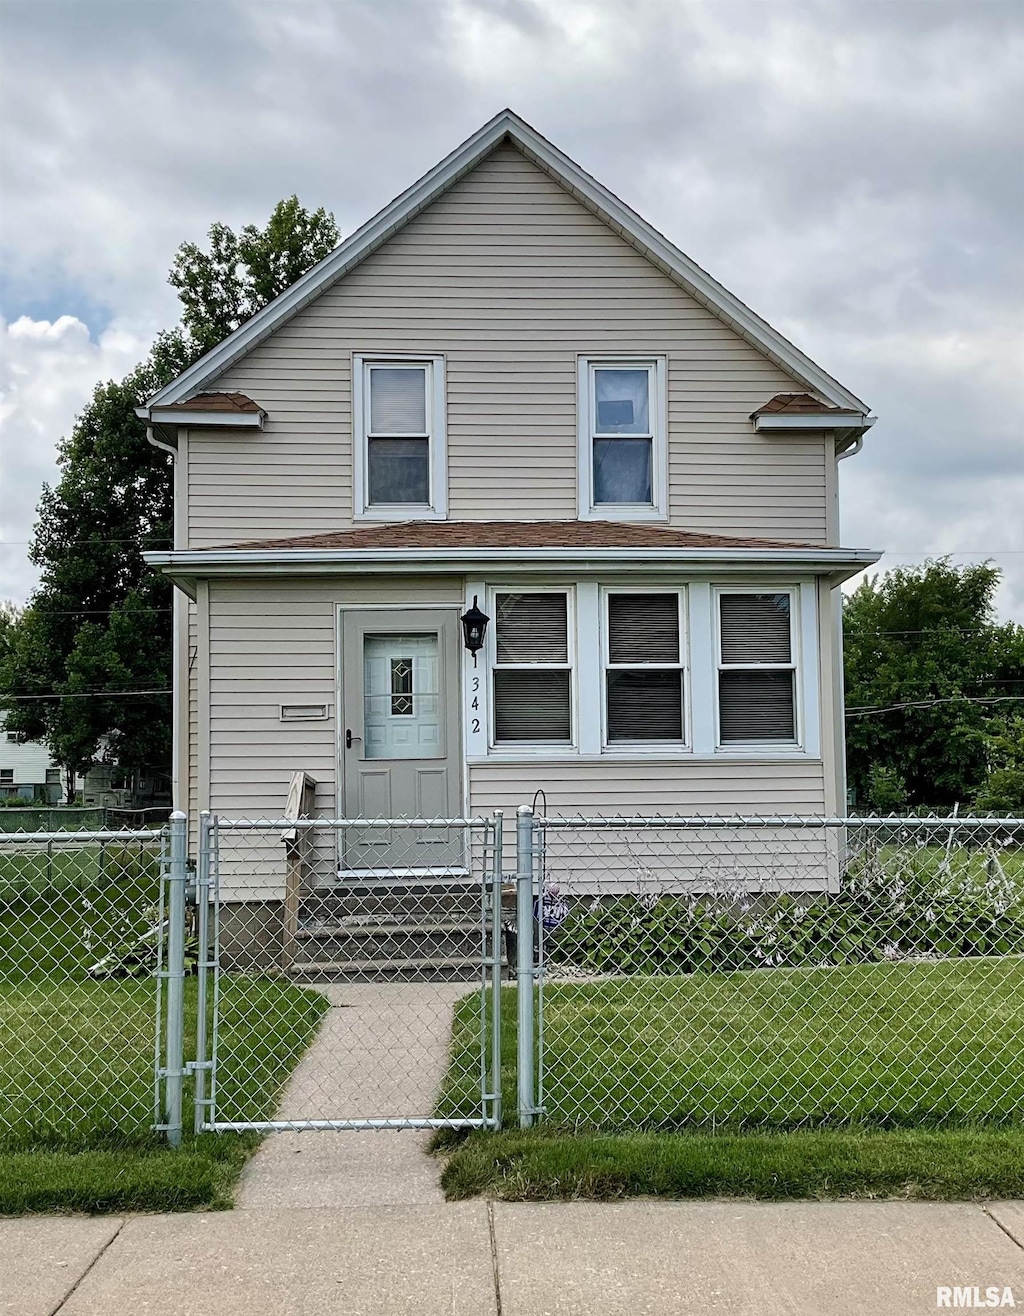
(176, 705)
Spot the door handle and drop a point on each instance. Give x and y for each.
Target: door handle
(349, 737)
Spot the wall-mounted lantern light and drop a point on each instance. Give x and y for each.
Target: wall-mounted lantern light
(474, 628)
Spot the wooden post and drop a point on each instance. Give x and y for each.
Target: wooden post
(301, 795)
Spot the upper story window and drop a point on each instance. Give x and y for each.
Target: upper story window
(622, 439)
(756, 668)
(532, 669)
(399, 467)
(644, 674)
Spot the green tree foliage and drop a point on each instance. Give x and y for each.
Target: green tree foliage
(100, 620)
(913, 636)
(221, 288)
(1003, 790)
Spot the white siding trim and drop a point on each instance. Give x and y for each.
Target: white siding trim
(703, 669)
(437, 443)
(476, 685)
(589, 674)
(587, 510)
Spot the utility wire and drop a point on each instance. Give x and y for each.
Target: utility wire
(930, 703)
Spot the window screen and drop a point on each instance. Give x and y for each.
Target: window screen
(757, 676)
(398, 438)
(532, 678)
(644, 674)
(621, 435)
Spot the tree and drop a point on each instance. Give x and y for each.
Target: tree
(1003, 789)
(926, 636)
(100, 620)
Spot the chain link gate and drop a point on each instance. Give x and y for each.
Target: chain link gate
(363, 957)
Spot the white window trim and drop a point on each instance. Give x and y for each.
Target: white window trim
(437, 508)
(537, 748)
(587, 647)
(587, 510)
(629, 748)
(803, 664)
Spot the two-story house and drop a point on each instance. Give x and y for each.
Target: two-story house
(508, 390)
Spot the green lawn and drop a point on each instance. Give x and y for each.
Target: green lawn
(884, 1045)
(76, 1052)
(925, 1165)
(884, 1079)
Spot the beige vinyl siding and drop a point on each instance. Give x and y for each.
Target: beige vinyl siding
(273, 642)
(616, 787)
(510, 278)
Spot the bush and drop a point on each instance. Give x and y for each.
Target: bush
(890, 906)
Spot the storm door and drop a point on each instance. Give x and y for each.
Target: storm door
(400, 750)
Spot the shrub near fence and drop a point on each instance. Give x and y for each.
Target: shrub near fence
(686, 983)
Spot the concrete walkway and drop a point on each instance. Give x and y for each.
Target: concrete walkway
(473, 1259)
(381, 1052)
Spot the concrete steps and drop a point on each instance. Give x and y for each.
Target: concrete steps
(392, 931)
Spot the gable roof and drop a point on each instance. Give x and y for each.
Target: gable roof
(507, 126)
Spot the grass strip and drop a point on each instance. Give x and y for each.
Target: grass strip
(200, 1176)
(933, 1165)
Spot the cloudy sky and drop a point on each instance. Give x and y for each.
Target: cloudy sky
(852, 169)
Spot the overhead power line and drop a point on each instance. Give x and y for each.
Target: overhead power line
(81, 694)
(930, 703)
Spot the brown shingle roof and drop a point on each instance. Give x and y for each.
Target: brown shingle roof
(793, 403)
(216, 402)
(515, 534)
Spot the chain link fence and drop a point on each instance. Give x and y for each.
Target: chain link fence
(777, 973)
(381, 940)
(82, 925)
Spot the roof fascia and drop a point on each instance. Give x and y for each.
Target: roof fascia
(837, 563)
(812, 420)
(247, 420)
(588, 190)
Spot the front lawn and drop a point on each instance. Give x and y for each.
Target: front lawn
(76, 1092)
(936, 1165)
(898, 1079)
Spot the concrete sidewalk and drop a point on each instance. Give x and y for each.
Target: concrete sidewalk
(474, 1259)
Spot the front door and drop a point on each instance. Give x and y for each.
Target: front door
(400, 735)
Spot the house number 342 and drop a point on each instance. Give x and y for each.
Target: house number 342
(474, 702)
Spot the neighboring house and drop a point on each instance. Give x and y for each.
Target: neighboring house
(508, 389)
(27, 772)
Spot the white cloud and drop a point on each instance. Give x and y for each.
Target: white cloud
(849, 168)
(48, 370)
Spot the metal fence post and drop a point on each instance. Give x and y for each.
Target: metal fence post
(524, 965)
(203, 966)
(497, 871)
(174, 1070)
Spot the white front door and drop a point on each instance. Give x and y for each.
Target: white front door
(401, 748)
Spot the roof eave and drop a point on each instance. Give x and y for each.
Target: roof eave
(587, 189)
(849, 423)
(838, 564)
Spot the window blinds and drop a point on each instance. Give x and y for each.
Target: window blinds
(756, 706)
(532, 628)
(645, 705)
(531, 705)
(531, 631)
(643, 628)
(398, 400)
(755, 628)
